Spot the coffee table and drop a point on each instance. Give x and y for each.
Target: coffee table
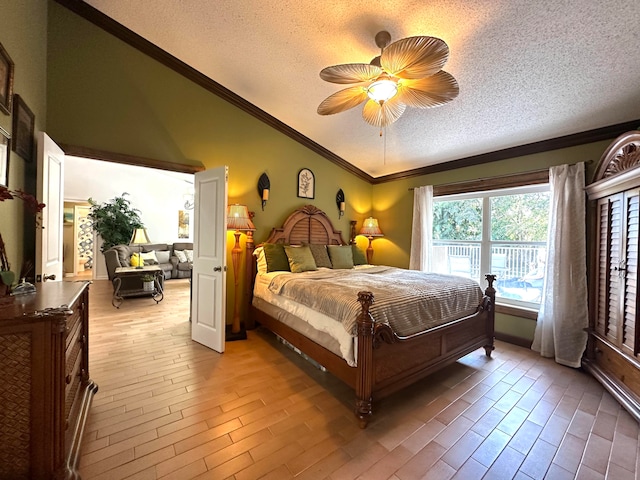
(119, 293)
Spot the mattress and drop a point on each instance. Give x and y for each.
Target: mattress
(410, 301)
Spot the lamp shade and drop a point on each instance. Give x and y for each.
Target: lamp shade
(238, 218)
(370, 228)
(139, 237)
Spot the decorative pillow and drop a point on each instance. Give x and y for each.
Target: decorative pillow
(124, 254)
(149, 258)
(189, 255)
(300, 259)
(320, 255)
(181, 255)
(341, 256)
(261, 259)
(163, 256)
(136, 261)
(276, 257)
(359, 258)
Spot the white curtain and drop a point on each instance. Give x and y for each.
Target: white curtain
(563, 314)
(421, 231)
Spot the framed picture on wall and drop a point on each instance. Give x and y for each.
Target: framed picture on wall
(23, 123)
(306, 184)
(4, 157)
(6, 81)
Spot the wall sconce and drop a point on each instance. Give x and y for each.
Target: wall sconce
(370, 229)
(263, 189)
(340, 203)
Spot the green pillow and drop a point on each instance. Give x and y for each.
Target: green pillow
(276, 257)
(320, 255)
(300, 259)
(359, 257)
(341, 256)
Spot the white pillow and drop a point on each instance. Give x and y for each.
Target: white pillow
(163, 256)
(181, 256)
(149, 256)
(189, 255)
(262, 259)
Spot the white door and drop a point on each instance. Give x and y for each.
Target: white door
(50, 188)
(208, 303)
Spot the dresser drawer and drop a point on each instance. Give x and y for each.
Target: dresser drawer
(74, 320)
(74, 367)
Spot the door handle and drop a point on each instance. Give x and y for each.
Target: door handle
(48, 277)
(217, 269)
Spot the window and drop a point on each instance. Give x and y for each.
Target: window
(501, 231)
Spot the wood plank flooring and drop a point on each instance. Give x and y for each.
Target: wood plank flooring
(170, 408)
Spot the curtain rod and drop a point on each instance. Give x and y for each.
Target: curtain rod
(499, 179)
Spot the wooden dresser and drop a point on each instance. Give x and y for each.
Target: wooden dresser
(45, 389)
(613, 350)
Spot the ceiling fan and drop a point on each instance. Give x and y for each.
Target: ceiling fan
(407, 72)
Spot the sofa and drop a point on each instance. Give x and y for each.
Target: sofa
(175, 259)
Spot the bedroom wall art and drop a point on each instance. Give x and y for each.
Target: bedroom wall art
(6, 81)
(4, 157)
(23, 123)
(306, 184)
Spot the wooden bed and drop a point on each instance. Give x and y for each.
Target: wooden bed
(386, 362)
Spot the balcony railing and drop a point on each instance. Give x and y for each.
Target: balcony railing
(519, 268)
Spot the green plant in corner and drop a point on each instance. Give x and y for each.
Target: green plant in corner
(114, 220)
(147, 278)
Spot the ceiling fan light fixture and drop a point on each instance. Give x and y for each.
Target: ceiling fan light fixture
(382, 89)
(407, 72)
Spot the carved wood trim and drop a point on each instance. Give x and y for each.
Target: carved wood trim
(623, 154)
(307, 224)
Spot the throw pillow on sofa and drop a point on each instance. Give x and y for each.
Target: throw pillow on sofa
(182, 257)
(189, 255)
(163, 256)
(136, 261)
(149, 258)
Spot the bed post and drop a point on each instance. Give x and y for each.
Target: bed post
(364, 381)
(491, 293)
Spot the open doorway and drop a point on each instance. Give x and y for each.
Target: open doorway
(77, 246)
(164, 200)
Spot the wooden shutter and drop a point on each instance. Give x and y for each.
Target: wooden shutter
(609, 249)
(630, 307)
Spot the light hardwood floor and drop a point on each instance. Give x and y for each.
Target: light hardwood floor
(170, 408)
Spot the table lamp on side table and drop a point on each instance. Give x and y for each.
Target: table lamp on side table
(139, 238)
(239, 221)
(370, 229)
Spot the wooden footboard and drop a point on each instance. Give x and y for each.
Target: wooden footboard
(388, 363)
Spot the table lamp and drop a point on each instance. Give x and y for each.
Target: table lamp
(370, 229)
(139, 238)
(239, 221)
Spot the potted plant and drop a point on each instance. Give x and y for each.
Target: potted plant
(148, 281)
(114, 221)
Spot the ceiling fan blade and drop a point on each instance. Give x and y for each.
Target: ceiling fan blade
(415, 57)
(383, 115)
(428, 92)
(350, 73)
(342, 100)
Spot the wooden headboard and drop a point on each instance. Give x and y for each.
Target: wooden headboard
(307, 224)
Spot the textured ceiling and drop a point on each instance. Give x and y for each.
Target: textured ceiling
(528, 71)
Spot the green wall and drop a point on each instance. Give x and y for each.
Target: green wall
(24, 36)
(103, 94)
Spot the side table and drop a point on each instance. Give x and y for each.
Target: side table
(120, 293)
